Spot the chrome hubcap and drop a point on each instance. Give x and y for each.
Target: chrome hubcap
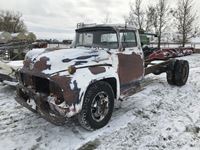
(100, 106)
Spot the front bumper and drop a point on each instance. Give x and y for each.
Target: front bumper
(28, 98)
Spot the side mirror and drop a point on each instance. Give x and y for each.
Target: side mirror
(124, 45)
(122, 48)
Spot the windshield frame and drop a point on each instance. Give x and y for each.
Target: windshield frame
(96, 29)
(135, 35)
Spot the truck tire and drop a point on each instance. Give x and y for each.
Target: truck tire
(97, 106)
(171, 73)
(181, 72)
(178, 74)
(170, 77)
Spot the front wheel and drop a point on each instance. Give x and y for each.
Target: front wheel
(97, 106)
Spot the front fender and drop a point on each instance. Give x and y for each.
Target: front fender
(86, 76)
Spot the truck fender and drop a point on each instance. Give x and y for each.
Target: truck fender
(86, 76)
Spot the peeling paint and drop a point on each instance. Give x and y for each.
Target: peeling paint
(70, 95)
(65, 92)
(97, 70)
(130, 67)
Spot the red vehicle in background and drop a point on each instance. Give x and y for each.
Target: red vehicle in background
(153, 53)
(166, 53)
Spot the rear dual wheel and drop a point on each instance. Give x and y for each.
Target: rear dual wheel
(179, 73)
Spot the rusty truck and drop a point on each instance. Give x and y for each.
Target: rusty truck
(104, 65)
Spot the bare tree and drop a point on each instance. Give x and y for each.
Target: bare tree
(136, 15)
(150, 19)
(185, 20)
(11, 22)
(162, 15)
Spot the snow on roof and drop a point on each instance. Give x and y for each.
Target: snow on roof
(116, 26)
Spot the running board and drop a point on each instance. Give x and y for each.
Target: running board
(130, 90)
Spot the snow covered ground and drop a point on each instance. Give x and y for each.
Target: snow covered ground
(159, 117)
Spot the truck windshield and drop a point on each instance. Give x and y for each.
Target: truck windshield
(128, 39)
(97, 39)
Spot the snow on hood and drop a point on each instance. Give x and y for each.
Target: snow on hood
(61, 59)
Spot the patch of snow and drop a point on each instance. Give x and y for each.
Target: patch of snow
(10, 83)
(195, 40)
(14, 34)
(15, 64)
(159, 117)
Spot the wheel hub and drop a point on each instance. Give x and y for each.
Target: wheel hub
(99, 107)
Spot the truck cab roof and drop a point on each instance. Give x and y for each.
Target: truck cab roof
(116, 27)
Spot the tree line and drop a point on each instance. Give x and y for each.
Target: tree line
(11, 22)
(158, 17)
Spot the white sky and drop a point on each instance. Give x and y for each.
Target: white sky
(58, 18)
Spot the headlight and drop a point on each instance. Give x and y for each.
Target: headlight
(72, 69)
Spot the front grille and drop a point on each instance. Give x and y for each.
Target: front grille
(41, 84)
(37, 83)
(26, 79)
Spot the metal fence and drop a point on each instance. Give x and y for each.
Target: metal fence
(14, 50)
(175, 45)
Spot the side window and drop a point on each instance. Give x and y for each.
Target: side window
(128, 38)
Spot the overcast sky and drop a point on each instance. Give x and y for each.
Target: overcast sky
(58, 18)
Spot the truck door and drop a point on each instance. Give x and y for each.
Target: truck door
(130, 58)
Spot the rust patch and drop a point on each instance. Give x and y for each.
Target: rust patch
(38, 67)
(71, 96)
(27, 63)
(130, 68)
(97, 70)
(27, 80)
(41, 65)
(86, 57)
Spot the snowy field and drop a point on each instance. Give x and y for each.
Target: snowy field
(159, 117)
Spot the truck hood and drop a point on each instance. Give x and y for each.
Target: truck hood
(49, 61)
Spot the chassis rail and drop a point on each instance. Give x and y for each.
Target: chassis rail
(158, 68)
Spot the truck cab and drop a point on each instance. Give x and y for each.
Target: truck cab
(123, 45)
